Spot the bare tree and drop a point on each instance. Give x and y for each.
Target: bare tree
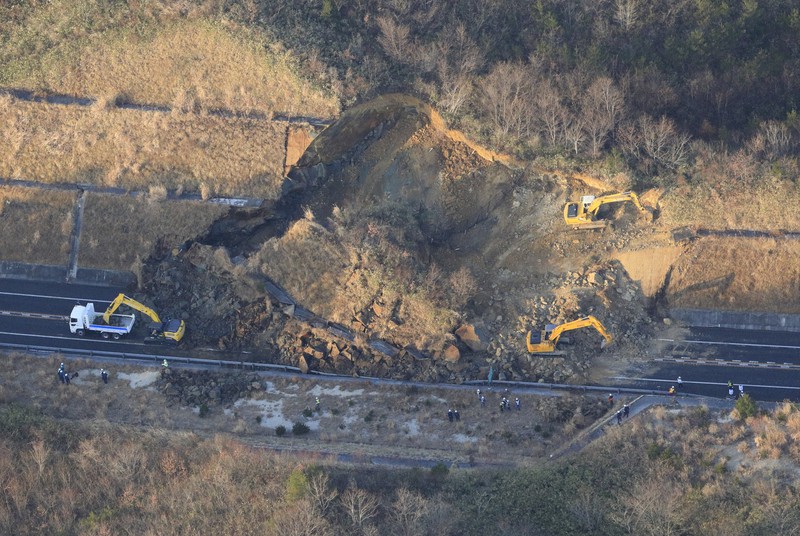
(657, 140)
(360, 506)
(601, 106)
(321, 493)
(507, 98)
(777, 137)
(573, 131)
(393, 38)
(550, 113)
(455, 88)
(626, 13)
(300, 519)
(408, 511)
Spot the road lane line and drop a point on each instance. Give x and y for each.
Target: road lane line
(672, 382)
(76, 338)
(52, 297)
(750, 344)
(42, 316)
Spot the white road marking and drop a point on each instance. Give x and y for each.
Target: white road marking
(750, 344)
(672, 382)
(41, 316)
(75, 338)
(53, 297)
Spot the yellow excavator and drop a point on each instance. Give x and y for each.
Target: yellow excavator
(545, 341)
(170, 331)
(583, 215)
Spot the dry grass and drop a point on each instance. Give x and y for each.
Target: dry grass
(138, 150)
(157, 53)
(763, 206)
(35, 225)
(747, 274)
(118, 230)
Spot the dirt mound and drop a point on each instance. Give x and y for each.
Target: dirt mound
(401, 230)
(396, 149)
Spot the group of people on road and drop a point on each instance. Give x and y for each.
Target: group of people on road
(66, 377)
(505, 405)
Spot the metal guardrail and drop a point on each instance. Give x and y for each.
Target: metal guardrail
(157, 358)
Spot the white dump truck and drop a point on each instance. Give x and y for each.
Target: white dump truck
(84, 319)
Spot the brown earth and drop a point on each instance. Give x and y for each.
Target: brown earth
(355, 417)
(398, 228)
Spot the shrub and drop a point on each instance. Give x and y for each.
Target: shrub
(204, 411)
(258, 419)
(439, 471)
(307, 413)
(280, 430)
(746, 407)
(296, 485)
(369, 417)
(300, 428)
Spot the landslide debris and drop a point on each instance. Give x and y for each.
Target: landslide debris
(399, 230)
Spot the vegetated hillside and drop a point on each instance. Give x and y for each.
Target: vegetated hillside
(663, 472)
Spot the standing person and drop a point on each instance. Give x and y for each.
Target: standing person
(730, 384)
(619, 417)
(316, 403)
(479, 393)
(483, 401)
(61, 375)
(610, 400)
(680, 383)
(457, 415)
(730, 392)
(518, 404)
(104, 375)
(672, 390)
(508, 404)
(66, 377)
(626, 410)
(741, 390)
(450, 415)
(502, 406)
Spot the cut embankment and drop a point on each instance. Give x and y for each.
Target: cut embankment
(759, 274)
(35, 225)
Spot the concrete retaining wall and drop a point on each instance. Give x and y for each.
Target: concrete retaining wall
(87, 276)
(737, 320)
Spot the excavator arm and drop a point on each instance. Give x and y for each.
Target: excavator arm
(122, 299)
(595, 205)
(548, 339)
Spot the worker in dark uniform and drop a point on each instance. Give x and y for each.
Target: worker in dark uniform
(619, 417)
(457, 415)
(483, 401)
(104, 375)
(66, 377)
(517, 404)
(450, 415)
(626, 410)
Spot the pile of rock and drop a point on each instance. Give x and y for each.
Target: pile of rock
(193, 388)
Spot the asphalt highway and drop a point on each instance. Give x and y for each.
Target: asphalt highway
(767, 363)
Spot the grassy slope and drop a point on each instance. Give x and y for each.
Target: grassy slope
(135, 149)
(153, 53)
(663, 472)
(117, 230)
(35, 226)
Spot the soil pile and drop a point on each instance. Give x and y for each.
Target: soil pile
(398, 229)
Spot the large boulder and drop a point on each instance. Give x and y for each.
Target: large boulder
(451, 353)
(472, 338)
